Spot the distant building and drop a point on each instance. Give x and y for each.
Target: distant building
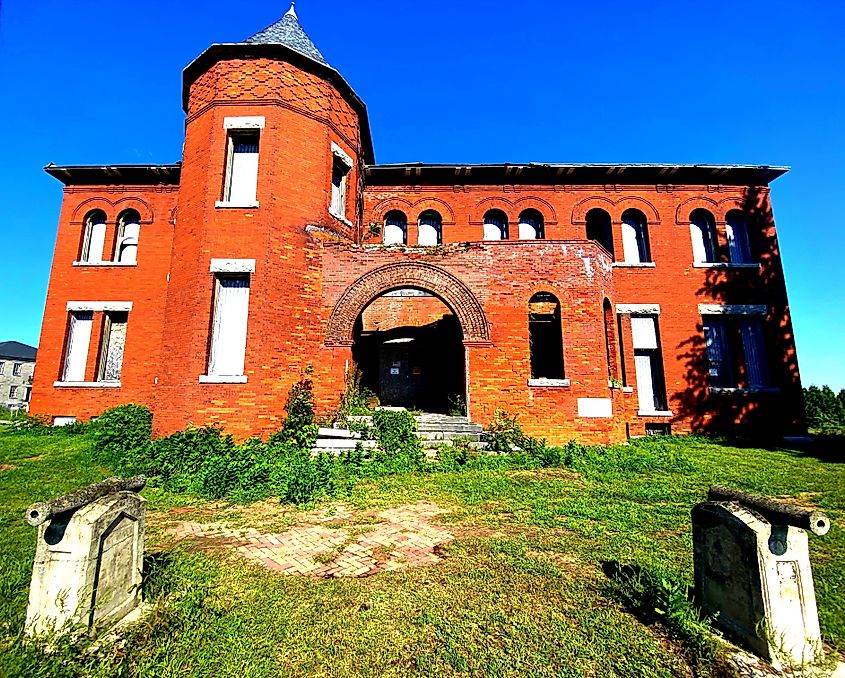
(595, 302)
(17, 365)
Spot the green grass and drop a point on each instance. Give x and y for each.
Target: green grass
(521, 592)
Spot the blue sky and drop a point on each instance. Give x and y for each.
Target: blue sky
(751, 82)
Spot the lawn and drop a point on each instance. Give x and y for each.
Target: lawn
(521, 591)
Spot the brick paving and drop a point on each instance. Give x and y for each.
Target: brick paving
(396, 538)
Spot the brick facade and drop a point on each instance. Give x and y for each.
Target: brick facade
(315, 275)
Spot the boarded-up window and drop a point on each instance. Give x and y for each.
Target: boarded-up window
(531, 225)
(635, 237)
(228, 336)
(430, 229)
(545, 337)
(495, 225)
(703, 235)
(242, 167)
(395, 228)
(94, 237)
(128, 232)
(648, 364)
(79, 338)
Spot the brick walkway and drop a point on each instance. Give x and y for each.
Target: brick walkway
(402, 537)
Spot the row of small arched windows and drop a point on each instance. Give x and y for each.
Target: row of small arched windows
(635, 239)
(125, 245)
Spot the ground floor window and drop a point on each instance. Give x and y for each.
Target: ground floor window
(648, 363)
(735, 351)
(545, 338)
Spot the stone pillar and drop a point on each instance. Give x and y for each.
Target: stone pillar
(755, 576)
(88, 563)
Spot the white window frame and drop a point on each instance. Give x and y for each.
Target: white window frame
(234, 126)
(739, 245)
(340, 193)
(494, 227)
(126, 240)
(93, 241)
(438, 232)
(635, 245)
(749, 321)
(13, 391)
(75, 308)
(16, 369)
(705, 243)
(392, 228)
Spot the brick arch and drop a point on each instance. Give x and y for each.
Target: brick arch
(493, 203)
(435, 204)
(640, 204)
(579, 212)
(381, 209)
(688, 206)
(449, 289)
(534, 203)
(112, 209)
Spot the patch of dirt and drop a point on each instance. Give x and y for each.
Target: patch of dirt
(557, 473)
(6, 467)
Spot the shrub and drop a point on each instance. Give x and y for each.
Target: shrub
(356, 398)
(506, 435)
(121, 435)
(298, 427)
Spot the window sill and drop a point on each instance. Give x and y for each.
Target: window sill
(626, 264)
(222, 379)
(655, 413)
(86, 384)
(722, 264)
(223, 204)
(340, 217)
(119, 264)
(618, 387)
(549, 383)
(753, 389)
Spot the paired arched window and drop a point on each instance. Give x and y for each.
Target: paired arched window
(736, 231)
(703, 233)
(93, 237)
(599, 228)
(531, 225)
(635, 244)
(495, 225)
(128, 231)
(430, 229)
(545, 336)
(395, 228)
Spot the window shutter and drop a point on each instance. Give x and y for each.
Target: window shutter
(754, 347)
(79, 339)
(493, 230)
(228, 343)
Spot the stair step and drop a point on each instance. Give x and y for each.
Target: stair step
(449, 435)
(470, 428)
(341, 444)
(337, 433)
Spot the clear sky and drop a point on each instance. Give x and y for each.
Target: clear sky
(745, 82)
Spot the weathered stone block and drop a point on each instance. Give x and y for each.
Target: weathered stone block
(755, 577)
(87, 569)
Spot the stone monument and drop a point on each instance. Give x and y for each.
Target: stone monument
(88, 559)
(752, 571)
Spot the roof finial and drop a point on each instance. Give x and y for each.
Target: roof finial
(292, 10)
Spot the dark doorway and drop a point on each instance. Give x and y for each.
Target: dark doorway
(409, 348)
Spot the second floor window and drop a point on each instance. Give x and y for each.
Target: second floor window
(635, 243)
(241, 184)
(16, 369)
(340, 174)
(495, 225)
(703, 233)
(430, 229)
(395, 228)
(128, 231)
(736, 231)
(93, 237)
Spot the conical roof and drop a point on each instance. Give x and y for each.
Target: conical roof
(287, 31)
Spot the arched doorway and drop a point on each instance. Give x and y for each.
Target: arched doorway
(409, 349)
(434, 338)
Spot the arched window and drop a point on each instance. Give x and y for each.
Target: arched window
(495, 225)
(545, 337)
(430, 229)
(635, 237)
(531, 225)
(598, 228)
(609, 339)
(395, 228)
(736, 230)
(128, 231)
(703, 233)
(94, 237)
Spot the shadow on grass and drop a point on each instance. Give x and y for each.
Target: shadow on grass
(824, 446)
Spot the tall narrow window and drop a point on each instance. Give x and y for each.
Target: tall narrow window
(16, 369)
(13, 391)
(599, 228)
(79, 338)
(2, 368)
(228, 336)
(703, 234)
(128, 231)
(531, 225)
(736, 230)
(735, 349)
(113, 342)
(648, 364)
(395, 228)
(635, 237)
(609, 339)
(545, 337)
(340, 172)
(430, 229)
(94, 237)
(495, 225)
(241, 184)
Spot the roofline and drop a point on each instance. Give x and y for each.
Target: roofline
(252, 50)
(574, 173)
(98, 175)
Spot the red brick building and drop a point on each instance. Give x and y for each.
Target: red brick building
(594, 301)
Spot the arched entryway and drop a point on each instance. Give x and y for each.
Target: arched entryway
(408, 325)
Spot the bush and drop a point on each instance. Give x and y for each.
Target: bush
(506, 435)
(298, 427)
(120, 436)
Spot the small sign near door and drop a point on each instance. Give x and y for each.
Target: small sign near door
(394, 370)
